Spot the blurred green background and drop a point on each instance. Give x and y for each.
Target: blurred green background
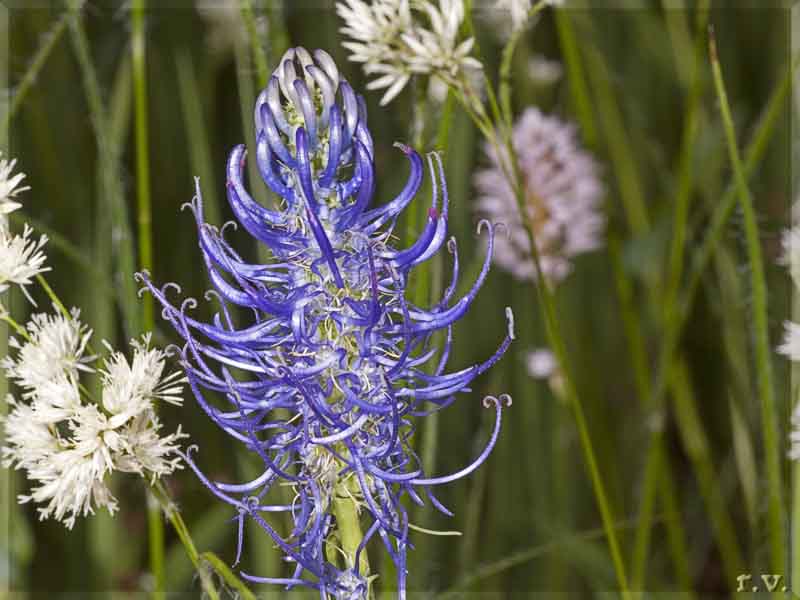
(528, 516)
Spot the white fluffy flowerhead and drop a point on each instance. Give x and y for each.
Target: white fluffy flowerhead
(541, 363)
(790, 347)
(794, 435)
(9, 187)
(69, 446)
(130, 387)
(516, 10)
(21, 258)
(790, 256)
(563, 195)
(791, 341)
(225, 26)
(398, 38)
(54, 350)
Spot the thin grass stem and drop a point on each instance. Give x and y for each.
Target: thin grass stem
(155, 525)
(763, 350)
(46, 47)
(257, 49)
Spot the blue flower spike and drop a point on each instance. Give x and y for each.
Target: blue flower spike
(334, 366)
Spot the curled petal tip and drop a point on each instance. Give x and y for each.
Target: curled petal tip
(171, 285)
(510, 319)
(229, 224)
(484, 223)
(504, 400)
(188, 304)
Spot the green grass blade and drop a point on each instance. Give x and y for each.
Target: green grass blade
(753, 155)
(524, 556)
(685, 162)
(763, 349)
(745, 461)
(575, 77)
(48, 43)
(256, 47)
(697, 447)
(623, 160)
(197, 133)
(108, 158)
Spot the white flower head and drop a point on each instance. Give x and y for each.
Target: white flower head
(56, 400)
(55, 350)
(790, 256)
(543, 70)
(68, 446)
(129, 388)
(563, 195)
(398, 38)
(27, 439)
(516, 10)
(9, 187)
(225, 27)
(149, 452)
(21, 258)
(794, 435)
(541, 363)
(791, 341)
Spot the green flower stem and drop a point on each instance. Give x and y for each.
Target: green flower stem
(259, 53)
(348, 527)
(6, 318)
(155, 538)
(155, 525)
(552, 323)
(163, 503)
(228, 576)
(144, 217)
(557, 344)
(52, 295)
(638, 221)
(795, 566)
(276, 29)
(505, 64)
(763, 351)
